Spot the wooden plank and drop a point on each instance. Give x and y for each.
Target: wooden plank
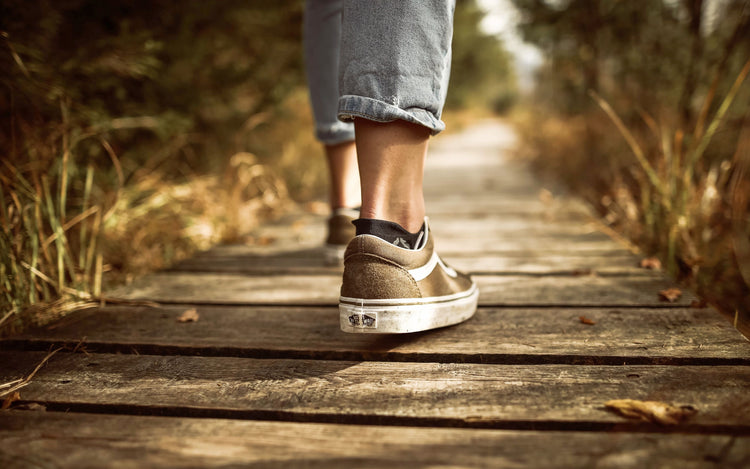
(503, 245)
(490, 233)
(471, 243)
(300, 224)
(490, 226)
(308, 232)
(69, 440)
(450, 206)
(508, 290)
(615, 262)
(235, 259)
(554, 335)
(378, 392)
(542, 243)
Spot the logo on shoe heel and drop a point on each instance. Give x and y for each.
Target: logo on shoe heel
(363, 321)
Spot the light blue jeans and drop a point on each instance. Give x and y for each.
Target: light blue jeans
(381, 60)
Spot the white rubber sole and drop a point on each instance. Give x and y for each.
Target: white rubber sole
(361, 316)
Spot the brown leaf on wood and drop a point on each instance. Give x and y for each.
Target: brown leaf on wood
(670, 294)
(585, 320)
(581, 272)
(265, 240)
(651, 411)
(8, 401)
(189, 315)
(651, 263)
(546, 196)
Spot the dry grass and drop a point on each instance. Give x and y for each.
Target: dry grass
(69, 232)
(7, 389)
(681, 194)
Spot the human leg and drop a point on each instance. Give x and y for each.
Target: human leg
(392, 157)
(343, 175)
(393, 75)
(322, 37)
(394, 71)
(322, 42)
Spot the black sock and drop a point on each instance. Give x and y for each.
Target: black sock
(389, 231)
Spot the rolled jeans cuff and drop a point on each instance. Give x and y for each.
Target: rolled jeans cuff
(373, 109)
(335, 133)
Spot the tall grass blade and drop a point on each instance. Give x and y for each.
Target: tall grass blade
(54, 223)
(91, 250)
(634, 146)
(716, 121)
(29, 221)
(64, 164)
(120, 176)
(83, 232)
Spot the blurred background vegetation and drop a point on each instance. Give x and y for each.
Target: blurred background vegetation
(134, 132)
(643, 108)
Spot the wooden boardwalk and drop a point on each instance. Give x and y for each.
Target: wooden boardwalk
(265, 378)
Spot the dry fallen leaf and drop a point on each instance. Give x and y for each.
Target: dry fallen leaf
(546, 196)
(581, 272)
(670, 294)
(586, 320)
(265, 240)
(16, 396)
(189, 315)
(651, 411)
(651, 263)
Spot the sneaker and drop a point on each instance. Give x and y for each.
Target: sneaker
(340, 232)
(389, 289)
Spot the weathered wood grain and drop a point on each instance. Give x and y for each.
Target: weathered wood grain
(506, 382)
(310, 261)
(510, 290)
(54, 439)
(460, 235)
(381, 392)
(544, 335)
(505, 246)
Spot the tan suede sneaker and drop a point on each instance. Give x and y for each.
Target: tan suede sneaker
(389, 289)
(340, 232)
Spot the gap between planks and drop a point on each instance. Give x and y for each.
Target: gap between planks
(358, 420)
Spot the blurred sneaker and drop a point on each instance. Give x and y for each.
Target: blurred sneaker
(340, 232)
(391, 289)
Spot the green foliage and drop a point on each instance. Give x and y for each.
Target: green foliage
(144, 73)
(101, 104)
(662, 148)
(481, 74)
(135, 131)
